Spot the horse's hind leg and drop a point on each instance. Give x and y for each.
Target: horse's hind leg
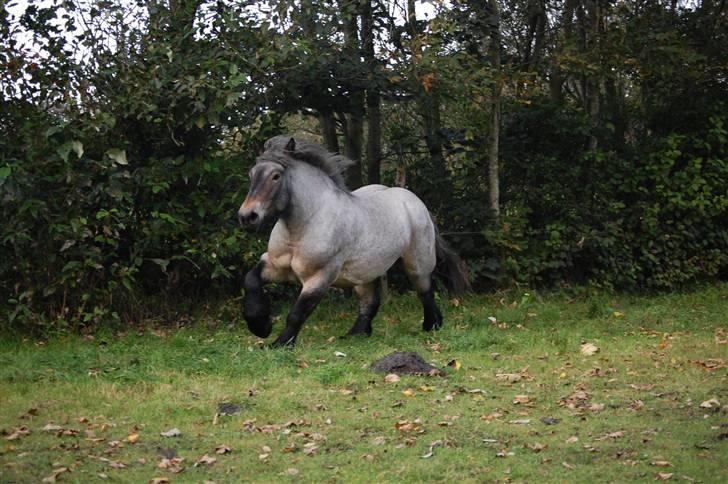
(432, 316)
(369, 300)
(422, 280)
(419, 263)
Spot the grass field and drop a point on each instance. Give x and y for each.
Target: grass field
(522, 399)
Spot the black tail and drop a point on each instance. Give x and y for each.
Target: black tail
(450, 268)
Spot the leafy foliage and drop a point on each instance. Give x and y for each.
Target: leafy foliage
(126, 132)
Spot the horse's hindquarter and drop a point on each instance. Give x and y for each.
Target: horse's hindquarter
(385, 223)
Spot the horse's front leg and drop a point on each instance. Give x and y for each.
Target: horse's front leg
(313, 290)
(256, 305)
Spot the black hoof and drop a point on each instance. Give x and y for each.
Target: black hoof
(283, 343)
(358, 332)
(432, 325)
(261, 326)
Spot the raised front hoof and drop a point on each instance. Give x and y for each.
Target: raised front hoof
(260, 326)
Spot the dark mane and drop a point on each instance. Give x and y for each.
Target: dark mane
(334, 165)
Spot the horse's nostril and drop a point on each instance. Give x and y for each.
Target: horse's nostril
(252, 217)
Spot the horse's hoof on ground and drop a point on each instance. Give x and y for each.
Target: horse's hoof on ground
(353, 333)
(283, 343)
(432, 326)
(262, 327)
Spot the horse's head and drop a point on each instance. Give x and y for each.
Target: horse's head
(268, 195)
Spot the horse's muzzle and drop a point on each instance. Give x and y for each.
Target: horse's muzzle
(250, 220)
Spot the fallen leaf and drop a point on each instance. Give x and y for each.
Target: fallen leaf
(720, 336)
(612, 435)
(642, 386)
(588, 349)
(381, 440)
(550, 420)
(392, 378)
(339, 354)
(567, 465)
(491, 416)
(54, 475)
(572, 440)
(173, 432)
(404, 426)
(408, 392)
(577, 399)
(51, 428)
(712, 403)
(309, 448)
(454, 364)
(663, 476)
(18, 433)
(171, 464)
(711, 364)
(292, 471)
(637, 405)
(521, 399)
(222, 449)
(205, 460)
(159, 480)
(30, 413)
(536, 447)
(595, 407)
(661, 463)
(522, 421)
(133, 438)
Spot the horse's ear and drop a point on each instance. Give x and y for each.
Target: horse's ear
(291, 145)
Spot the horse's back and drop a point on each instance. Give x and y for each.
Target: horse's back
(389, 195)
(389, 223)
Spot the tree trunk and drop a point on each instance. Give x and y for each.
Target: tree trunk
(328, 131)
(353, 141)
(428, 104)
(373, 98)
(495, 116)
(354, 130)
(593, 83)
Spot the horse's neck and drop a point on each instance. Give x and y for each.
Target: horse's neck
(312, 193)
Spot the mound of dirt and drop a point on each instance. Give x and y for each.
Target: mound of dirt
(401, 362)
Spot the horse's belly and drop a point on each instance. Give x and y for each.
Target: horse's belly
(358, 272)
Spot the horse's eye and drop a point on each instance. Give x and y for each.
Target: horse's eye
(276, 177)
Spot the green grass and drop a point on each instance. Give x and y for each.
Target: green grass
(659, 358)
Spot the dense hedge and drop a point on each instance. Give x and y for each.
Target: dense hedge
(120, 174)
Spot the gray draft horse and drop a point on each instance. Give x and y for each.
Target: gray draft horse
(327, 235)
